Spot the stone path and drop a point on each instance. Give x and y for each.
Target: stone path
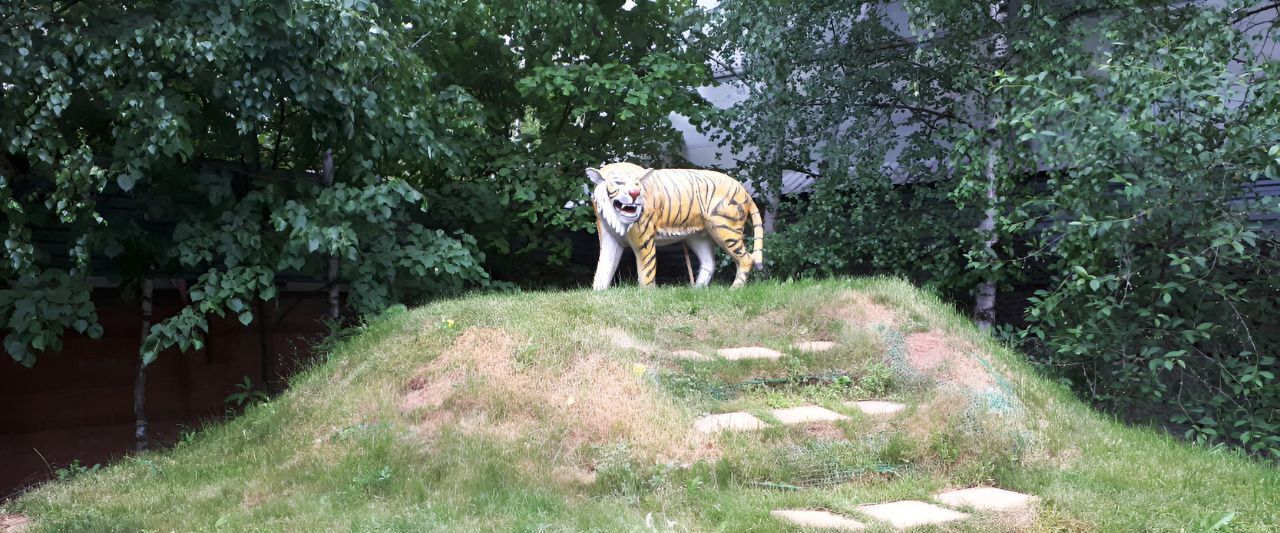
(818, 519)
(899, 514)
(806, 414)
(728, 422)
(986, 499)
(743, 421)
(877, 407)
(749, 352)
(732, 354)
(752, 352)
(814, 346)
(690, 354)
(910, 513)
(14, 523)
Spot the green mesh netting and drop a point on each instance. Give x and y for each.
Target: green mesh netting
(824, 463)
(999, 399)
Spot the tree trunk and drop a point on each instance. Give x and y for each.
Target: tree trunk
(984, 308)
(334, 299)
(984, 305)
(140, 382)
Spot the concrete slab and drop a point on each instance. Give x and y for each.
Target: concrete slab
(808, 413)
(877, 407)
(985, 499)
(689, 354)
(818, 519)
(728, 422)
(815, 346)
(910, 513)
(748, 352)
(14, 523)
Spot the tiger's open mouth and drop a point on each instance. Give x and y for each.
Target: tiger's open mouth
(629, 210)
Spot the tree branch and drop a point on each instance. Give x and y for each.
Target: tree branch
(1255, 11)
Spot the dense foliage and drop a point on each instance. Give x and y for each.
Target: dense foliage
(164, 138)
(1114, 145)
(557, 87)
(188, 140)
(1110, 147)
(1163, 290)
(838, 83)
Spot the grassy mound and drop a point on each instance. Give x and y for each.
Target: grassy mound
(571, 411)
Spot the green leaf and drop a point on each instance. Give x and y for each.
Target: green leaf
(1223, 520)
(126, 181)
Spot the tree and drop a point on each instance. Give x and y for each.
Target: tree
(229, 143)
(1162, 294)
(557, 87)
(1120, 167)
(879, 93)
(208, 120)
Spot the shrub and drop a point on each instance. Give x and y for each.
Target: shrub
(1162, 290)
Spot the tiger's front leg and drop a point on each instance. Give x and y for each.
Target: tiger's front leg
(646, 261)
(610, 256)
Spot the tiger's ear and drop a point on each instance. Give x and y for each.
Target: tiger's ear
(647, 175)
(595, 176)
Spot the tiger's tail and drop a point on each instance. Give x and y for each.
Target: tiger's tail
(757, 256)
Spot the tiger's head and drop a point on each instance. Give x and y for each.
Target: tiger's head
(619, 193)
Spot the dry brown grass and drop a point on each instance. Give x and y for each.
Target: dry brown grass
(940, 413)
(1051, 518)
(946, 359)
(935, 353)
(775, 322)
(620, 338)
(856, 308)
(476, 387)
(951, 431)
(1023, 519)
(770, 323)
(427, 393)
(822, 431)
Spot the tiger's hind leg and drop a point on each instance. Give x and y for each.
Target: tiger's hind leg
(727, 232)
(704, 248)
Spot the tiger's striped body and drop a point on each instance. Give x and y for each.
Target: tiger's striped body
(644, 208)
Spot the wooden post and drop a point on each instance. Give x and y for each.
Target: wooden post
(334, 297)
(687, 264)
(264, 347)
(140, 382)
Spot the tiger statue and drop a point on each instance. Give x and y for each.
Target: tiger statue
(647, 208)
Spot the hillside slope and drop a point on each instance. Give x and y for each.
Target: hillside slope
(578, 411)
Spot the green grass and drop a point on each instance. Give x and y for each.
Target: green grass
(335, 452)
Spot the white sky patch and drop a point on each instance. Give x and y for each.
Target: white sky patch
(631, 4)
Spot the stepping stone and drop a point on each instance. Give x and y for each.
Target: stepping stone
(14, 523)
(818, 519)
(910, 513)
(985, 499)
(749, 352)
(815, 346)
(808, 413)
(877, 407)
(689, 354)
(728, 422)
